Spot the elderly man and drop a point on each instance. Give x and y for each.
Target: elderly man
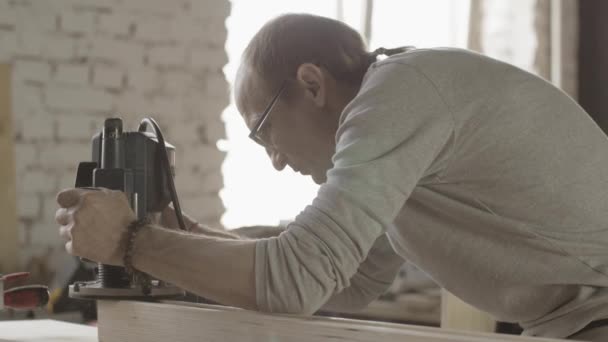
(488, 178)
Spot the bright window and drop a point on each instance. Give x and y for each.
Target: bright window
(254, 192)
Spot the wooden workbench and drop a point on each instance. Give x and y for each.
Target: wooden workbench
(45, 330)
(186, 322)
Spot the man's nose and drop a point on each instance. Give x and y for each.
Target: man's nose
(279, 160)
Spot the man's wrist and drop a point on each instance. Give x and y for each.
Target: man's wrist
(132, 231)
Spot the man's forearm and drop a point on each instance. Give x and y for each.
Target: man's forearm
(258, 232)
(219, 269)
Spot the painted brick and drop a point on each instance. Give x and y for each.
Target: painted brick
(48, 202)
(28, 206)
(210, 9)
(23, 229)
(203, 33)
(77, 22)
(66, 180)
(78, 99)
(130, 101)
(64, 156)
(8, 17)
(25, 70)
(142, 78)
(8, 42)
(213, 131)
(75, 74)
(49, 45)
(26, 156)
(141, 58)
(155, 30)
(115, 24)
(186, 131)
(158, 8)
(96, 6)
(215, 32)
(76, 127)
(167, 56)
(192, 183)
(212, 59)
(26, 99)
(82, 48)
(36, 181)
(204, 157)
(160, 105)
(211, 182)
(217, 86)
(117, 51)
(200, 105)
(45, 233)
(38, 127)
(28, 43)
(191, 31)
(108, 77)
(207, 209)
(176, 81)
(37, 19)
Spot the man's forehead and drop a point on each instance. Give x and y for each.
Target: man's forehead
(249, 92)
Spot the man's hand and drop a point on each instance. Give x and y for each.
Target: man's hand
(94, 222)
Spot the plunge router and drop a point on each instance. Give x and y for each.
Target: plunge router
(142, 165)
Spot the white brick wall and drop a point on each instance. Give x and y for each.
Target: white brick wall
(77, 22)
(116, 50)
(77, 62)
(115, 24)
(78, 99)
(37, 71)
(26, 157)
(108, 77)
(76, 74)
(8, 42)
(167, 56)
(37, 128)
(29, 206)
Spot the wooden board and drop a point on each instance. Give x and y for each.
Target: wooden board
(46, 330)
(458, 315)
(185, 322)
(8, 195)
(406, 308)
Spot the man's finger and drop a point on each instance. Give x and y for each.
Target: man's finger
(62, 216)
(70, 197)
(65, 232)
(68, 247)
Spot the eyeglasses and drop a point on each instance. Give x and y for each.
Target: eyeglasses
(255, 134)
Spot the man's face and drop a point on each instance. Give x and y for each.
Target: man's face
(299, 131)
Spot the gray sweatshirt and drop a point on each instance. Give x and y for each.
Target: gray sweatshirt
(486, 177)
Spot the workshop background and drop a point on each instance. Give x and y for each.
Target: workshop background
(72, 63)
(77, 62)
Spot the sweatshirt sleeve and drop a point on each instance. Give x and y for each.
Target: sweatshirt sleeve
(388, 139)
(374, 276)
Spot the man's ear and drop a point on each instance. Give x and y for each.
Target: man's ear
(312, 79)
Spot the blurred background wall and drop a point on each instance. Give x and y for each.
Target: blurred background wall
(76, 62)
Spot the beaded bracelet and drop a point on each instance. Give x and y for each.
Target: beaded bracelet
(140, 278)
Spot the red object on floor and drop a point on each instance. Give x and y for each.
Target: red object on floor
(21, 297)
